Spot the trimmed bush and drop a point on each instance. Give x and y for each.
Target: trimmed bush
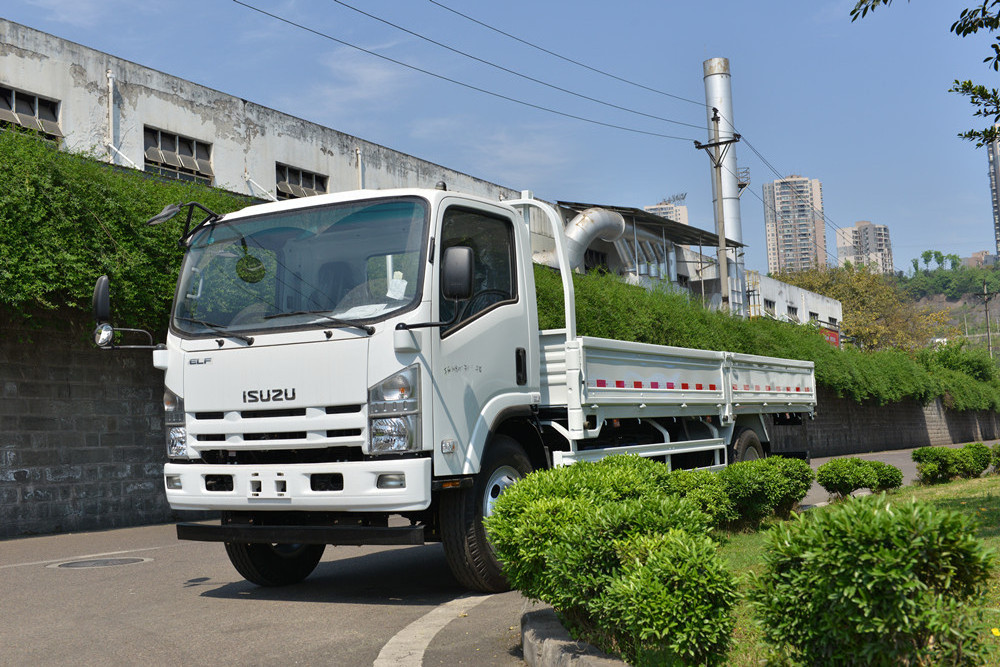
(888, 477)
(996, 457)
(754, 489)
(671, 603)
(868, 582)
(704, 488)
(941, 464)
(842, 477)
(796, 478)
(629, 566)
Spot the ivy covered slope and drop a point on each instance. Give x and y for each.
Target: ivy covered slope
(606, 307)
(66, 219)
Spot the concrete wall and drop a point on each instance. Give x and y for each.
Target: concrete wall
(845, 427)
(81, 435)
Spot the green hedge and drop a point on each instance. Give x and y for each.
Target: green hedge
(941, 464)
(65, 219)
(607, 307)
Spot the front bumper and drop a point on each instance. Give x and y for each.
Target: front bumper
(291, 487)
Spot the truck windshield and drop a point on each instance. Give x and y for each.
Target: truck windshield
(333, 265)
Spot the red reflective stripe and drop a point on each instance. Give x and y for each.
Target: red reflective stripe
(619, 384)
(788, 388)
(637, 385)
(699, 386)
(670, 385)
(746, 387)
(654, 385)
(711, 387)
(684, 385)
(798, 389)
(756, 387)
(602, 383)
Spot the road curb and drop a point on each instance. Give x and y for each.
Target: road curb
(546, 643)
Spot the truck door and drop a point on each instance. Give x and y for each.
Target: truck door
(481, 358)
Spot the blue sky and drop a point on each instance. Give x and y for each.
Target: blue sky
(863, 107)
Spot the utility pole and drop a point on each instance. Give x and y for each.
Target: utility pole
(716, 150)
(986, 304)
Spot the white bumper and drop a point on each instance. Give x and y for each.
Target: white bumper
(289, 487)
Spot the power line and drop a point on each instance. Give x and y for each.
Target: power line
(565, 58)
(457, 82)
(514, 72)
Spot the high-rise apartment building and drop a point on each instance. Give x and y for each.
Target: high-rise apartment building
(794, 224)
(993, 151)
(867, 244)
(669, 209)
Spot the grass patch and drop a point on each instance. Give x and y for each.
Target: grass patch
(978, 498)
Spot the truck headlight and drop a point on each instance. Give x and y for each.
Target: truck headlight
(394, 413)
(173, 420)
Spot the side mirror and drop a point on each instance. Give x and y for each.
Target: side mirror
(102, 300)
(456, 273)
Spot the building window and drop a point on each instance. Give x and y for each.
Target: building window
(833, 321)
(813, 317)
(769, 307)
(793, 313)
(175, 156)
(20, 109)
(292, 183)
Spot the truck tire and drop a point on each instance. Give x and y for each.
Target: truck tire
(466, 547)
(274, 564)
(747, 446)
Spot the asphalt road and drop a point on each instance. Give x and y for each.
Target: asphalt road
(150, 599)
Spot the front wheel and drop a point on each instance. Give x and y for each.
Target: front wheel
(466, 547)
(274, 564)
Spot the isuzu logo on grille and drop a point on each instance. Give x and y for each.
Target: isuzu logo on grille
(268, 395)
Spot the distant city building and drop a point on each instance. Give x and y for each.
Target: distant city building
(670, 210)
(794, 224)
(866, 244)
(993, 151)
(980, 259)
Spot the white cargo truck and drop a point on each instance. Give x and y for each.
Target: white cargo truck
(367, 368)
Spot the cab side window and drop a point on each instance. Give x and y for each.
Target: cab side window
(491, 239)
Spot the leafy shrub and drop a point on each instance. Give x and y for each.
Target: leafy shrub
(996, 457)
(671, 603)
(754, 489)
(581, 537)
(888, 477)
(981, 454)
(940, 464)
(706, 489)
(842, 477)
(796, 478)
(871, 583)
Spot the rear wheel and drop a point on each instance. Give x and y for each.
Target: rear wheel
(747, 446)
(274, 564)
(466, 546)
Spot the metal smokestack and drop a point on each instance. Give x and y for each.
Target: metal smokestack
(719, 94)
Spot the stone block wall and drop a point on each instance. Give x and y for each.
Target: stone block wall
(843, 427)
(81, 431)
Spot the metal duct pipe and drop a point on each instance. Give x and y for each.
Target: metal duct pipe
(625, 255)
(655, 259)
(582, 230)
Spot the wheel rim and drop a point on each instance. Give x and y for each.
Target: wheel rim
(750, 454)
(501, 480)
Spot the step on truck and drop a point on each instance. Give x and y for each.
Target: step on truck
(367, 368)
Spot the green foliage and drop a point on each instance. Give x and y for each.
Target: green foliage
(887, 477)
(842, 477)
(763, 487)
(996, 457)
(941, 464)
(795, 478)
(607, 307)
(671, 603)
(872, 583)
(628, 564)
(706, 489)
(66, 219)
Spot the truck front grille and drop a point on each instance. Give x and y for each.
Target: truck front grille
(322, 428)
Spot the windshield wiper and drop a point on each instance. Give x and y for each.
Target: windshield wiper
(368, 329)
(218, 329)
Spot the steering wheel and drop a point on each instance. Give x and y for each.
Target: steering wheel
(482, 300)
